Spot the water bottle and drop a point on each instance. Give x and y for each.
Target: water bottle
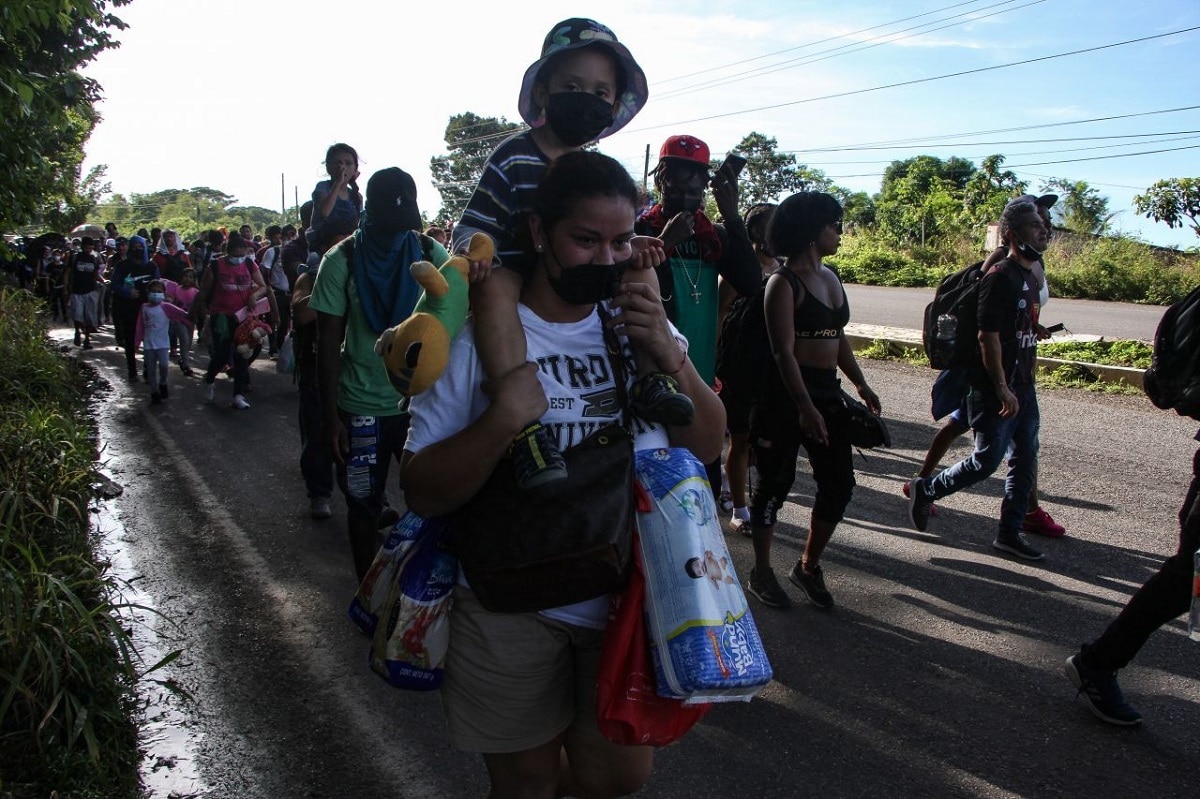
(1194, 615)
(947, 327)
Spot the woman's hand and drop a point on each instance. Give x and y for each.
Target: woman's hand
(871, 398)
(812, 424)
(640, 316)
(648, 252)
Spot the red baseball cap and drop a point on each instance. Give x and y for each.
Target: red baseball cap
(684, 148)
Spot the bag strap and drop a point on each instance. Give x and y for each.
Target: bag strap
(616, 361)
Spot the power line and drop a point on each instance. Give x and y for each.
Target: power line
(917, 81)
(932, 145)
(887, 38)
(818, 41)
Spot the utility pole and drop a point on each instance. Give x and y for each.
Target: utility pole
(282, 201)
(646, 171)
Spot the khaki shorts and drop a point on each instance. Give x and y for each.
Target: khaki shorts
(515, 681)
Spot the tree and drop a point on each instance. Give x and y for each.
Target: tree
(1171, 201)
(1080, 207)
(47, 108)
(921, 199)
(770, 175)
(470, 139)
(988, 190)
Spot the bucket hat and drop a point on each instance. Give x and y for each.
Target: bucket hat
(572, 34)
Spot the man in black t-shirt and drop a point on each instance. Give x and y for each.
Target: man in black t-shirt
(1002, 406)
(84, 275)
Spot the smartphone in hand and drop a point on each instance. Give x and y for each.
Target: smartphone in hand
(735, 164)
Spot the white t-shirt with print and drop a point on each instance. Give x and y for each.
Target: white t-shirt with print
(575, 373)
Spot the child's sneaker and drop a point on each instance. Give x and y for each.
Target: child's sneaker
(239, 403)
(536, 459)
(655, 397)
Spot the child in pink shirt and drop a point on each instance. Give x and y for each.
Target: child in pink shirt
(183, 294)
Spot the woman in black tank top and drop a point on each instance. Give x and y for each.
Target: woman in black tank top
(807, 313)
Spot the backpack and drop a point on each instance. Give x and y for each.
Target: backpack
(744, 354)
(1173, 379)
(958, 296)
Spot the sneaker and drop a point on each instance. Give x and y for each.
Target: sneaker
(318, 508)
(1016, 545)
(933, 509)
(87, 342)
(1040, 523)
(239, 403)
(655, 397)
(918, 504)
(767, 589)
(163, 392)
(78, 338)
(740, 526)
(536, 459)
(1103, 693)
(812, 584)
(209, 388)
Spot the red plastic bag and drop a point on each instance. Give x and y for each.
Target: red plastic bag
(628, 709)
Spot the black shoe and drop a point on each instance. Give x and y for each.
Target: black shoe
(813, 585)
(655, 397)
(162, 391)
(536, 459)
(767, 589)
(155, 398)
(87, 342)
(1103, 693)
(187, 371)
(919, 504)
(78, 338)
(1015, 544)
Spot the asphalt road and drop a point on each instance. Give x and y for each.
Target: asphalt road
(905, 308)
(938, 673)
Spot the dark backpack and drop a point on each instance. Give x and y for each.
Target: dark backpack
(958, 296)
(1173, 379)
(744, 354)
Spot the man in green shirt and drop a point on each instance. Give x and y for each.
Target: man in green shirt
(363, 287)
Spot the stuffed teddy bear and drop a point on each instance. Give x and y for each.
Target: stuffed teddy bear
(417, 350)
(249, 337)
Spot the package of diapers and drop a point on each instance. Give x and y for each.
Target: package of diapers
(374, 589)
(706, 646)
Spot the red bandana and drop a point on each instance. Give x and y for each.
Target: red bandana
(705, 234)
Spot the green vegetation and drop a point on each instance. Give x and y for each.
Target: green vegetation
(67, 667)
(1133, 354)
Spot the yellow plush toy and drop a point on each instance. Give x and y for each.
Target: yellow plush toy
(417, 350)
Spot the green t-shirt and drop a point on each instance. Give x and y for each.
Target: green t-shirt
(696, 303)
(364, 388)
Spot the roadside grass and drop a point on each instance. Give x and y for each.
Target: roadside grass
(68, 670)
(1133, 354)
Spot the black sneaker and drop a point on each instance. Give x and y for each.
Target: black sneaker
(162, 391)
(87, 342)
(767, 589)
(1103, 693)
(813, 585)
(1015, 544)
(536, 459)
(78, 338)
(655, 397)
(919, 504)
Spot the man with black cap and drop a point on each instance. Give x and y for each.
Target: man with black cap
(698, 250)
(1002, 404)
(363, 287)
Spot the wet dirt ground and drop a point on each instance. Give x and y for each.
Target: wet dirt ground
(938, 673)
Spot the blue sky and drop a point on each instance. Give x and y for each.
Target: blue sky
(236, 95)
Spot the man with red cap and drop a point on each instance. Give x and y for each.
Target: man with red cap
(697, 249)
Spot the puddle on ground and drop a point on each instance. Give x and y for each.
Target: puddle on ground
(169, 737)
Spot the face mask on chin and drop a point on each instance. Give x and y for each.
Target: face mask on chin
(1028, 251)
(588, 283)
(578, 117)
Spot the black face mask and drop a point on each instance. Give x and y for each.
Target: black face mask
(577, 117)
(587, 284)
